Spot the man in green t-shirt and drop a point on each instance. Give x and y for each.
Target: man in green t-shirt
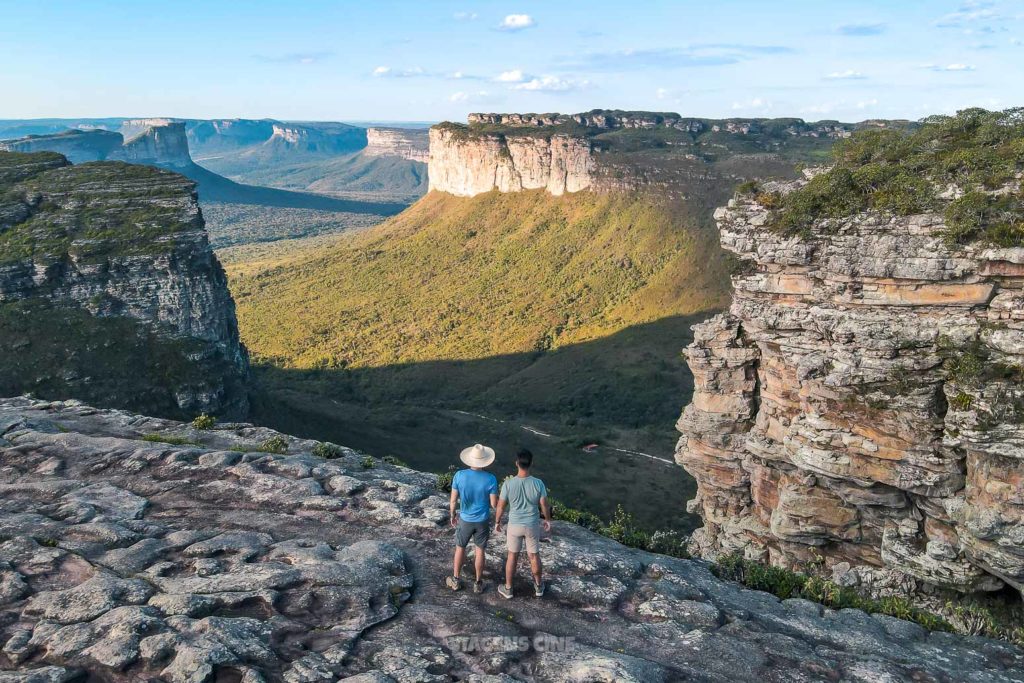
(526, 497)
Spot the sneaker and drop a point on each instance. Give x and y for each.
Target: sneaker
(539, 588)
(453, 583)
(505, 592)
(478, 586)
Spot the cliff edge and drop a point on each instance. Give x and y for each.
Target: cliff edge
(109, 290)
(132, 547)
(861, 404)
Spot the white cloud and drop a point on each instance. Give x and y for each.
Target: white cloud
(478, 96)
(456, 75)
(867, 104)
(757, 104)
(848, 75)
(465, 16)
(948, 67)
(517, 22)
(969, 13)
(551, 84)
(1016, 41)
(661, 93)
(388, 72)
(511, 76)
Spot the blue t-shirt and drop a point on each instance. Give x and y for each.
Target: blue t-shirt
(475, 488)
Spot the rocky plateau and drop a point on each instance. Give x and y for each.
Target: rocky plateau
(124, 557)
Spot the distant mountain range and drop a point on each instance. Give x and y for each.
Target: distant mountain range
(324, 157)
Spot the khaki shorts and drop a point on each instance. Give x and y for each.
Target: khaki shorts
(517, 532)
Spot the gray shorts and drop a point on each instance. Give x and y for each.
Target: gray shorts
(517, 533)
(478, 532)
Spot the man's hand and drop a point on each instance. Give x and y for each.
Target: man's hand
(497, 527)
(547, 525)
(453, 520)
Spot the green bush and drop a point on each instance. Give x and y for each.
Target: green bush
(748, 188)
(275, 444)
(327, 451)
(901, 171)
(204, 422)
(368, 462)
(392, 460)
(444, 481)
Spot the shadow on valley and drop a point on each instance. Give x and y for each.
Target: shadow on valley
(622, 392)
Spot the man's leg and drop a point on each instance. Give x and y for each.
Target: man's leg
(460, 558)
(510, 568)
(536, 567)
(478, 563)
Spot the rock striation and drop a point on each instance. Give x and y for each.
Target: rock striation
(467, 165)
(109, 289)
(120, 560)
(862, 402)
(406, 143)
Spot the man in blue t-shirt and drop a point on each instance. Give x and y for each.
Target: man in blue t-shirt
(477, 492)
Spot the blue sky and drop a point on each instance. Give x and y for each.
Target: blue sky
(434, 59)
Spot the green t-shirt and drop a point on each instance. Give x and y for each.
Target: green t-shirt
(523, 495)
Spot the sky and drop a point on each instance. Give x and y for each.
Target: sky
(431, 60)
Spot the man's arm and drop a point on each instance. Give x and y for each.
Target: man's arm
(498, 514)
(545, 510)
(452, 500)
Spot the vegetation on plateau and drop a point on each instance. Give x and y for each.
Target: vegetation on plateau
(965, 616)
(95, 210)
(980, 153)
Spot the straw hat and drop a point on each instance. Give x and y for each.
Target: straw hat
(477, 456)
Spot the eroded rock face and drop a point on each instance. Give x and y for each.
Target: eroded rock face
(405, 143)
(138, 560)
(119, 256)
(827, 420)
(467, 165)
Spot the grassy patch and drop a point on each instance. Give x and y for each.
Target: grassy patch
(786, 584)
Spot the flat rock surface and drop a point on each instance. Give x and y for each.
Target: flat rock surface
(130, 559)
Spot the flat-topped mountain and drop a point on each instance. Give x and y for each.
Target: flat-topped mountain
(608, 150)
(164, 145)
(406, 143)
(121, 558)
(109, 290)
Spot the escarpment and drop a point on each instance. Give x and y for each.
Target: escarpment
(152, 141)
(467, 166)
(109, 290)
(862, 400)
(406, 143)
(612, 151)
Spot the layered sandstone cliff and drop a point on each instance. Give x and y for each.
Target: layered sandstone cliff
(406, 143)
(110, 291)
(466, 164)
(862, 402)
